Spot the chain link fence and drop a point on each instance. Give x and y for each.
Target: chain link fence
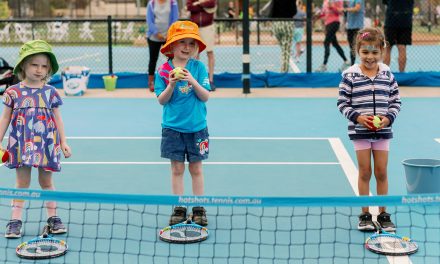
(119, 45)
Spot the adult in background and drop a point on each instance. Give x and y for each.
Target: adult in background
(202, 13)
(355, 22)
(331, 12)
(231, 13)
(160, 15)
(283, 30)
(398, 29)
(298, 33)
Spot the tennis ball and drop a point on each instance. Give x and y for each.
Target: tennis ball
(376, 121)
(178, 72)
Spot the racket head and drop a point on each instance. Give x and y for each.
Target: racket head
(42, 248)
(184, 233)
(391, 244)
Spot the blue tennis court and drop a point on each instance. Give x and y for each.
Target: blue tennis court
(274, 147)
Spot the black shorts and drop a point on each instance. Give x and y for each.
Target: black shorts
(398, 36)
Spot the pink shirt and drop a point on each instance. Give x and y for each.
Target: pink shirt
(330, 11)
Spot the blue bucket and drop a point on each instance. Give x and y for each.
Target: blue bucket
(422, 175)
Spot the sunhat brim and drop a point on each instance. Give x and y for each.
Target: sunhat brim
(166, 49)
(52, 58)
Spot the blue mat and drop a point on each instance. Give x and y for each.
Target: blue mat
(267, 79)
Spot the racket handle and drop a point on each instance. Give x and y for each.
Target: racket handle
(46, 231)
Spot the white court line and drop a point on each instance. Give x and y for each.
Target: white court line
(347, 163)
(352, 175)
(204, 163)
(80, 58)
(229, 138)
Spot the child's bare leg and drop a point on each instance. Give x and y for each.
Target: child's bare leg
(23, 181)
(298, 49)
(380, 172)
(196, 171)
(46, 183)
(177, 170)
(364, 164)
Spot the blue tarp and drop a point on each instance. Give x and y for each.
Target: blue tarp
(267, 79)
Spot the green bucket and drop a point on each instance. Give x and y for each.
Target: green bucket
(110, 82)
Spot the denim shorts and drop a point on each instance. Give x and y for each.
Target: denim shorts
(180, 146)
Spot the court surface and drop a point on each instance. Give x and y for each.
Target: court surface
(258, 147)
(228, 58)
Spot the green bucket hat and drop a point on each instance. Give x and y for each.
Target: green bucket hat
(34, 47)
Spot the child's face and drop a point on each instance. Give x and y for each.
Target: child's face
(37, 68)
(184, 48)
(370, 54)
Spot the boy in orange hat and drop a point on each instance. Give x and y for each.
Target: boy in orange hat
(182, 87)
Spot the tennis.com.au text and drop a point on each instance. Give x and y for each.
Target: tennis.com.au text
(219, 200)
(421, 199)
(20, 193)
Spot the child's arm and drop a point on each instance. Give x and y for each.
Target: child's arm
(60, 126)
(5, 119)
(353, 9)
(200, 91)
(165, 96)
(344, 100)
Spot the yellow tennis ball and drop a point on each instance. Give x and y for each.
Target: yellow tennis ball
(376, 121)
(178, 72)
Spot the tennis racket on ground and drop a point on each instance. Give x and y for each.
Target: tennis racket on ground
(42, 247)
(184, 233)
(390, 244)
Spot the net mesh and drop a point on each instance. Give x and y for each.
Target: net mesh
(105, 228)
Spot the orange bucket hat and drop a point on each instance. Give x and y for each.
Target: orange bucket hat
(180, 30)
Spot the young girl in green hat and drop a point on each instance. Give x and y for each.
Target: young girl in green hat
(36, 137)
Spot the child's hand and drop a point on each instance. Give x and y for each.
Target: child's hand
(187, 76)
(384, 121)
(366, 121)
(66, 150)
(173, 78)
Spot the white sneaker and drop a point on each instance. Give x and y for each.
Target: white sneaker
(322, 68)
(345, 66)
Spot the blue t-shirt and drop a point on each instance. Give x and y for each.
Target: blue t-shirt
(300, 15)
(184, 112)
(355, 20)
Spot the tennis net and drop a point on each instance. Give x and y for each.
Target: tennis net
(116, 228)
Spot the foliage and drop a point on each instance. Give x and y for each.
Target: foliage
(4, 9)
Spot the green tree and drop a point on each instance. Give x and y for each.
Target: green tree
(4, 9)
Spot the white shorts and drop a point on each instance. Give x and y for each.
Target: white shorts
(208, 35)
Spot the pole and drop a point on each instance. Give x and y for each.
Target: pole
(309, 30)
(110, 43)
(246, 76)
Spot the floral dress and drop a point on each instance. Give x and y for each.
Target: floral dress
(33, 136)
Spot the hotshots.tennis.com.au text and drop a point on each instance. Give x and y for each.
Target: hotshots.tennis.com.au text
(219, 200)
(421, 199)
